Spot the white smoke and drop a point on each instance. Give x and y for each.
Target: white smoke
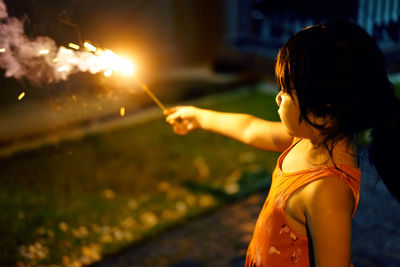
(40, 60)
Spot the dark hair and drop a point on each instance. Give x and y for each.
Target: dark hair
(338, 70)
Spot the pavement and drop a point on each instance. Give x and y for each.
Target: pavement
(221, 237)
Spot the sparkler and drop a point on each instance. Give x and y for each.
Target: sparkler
(150, 93)
(93, 60)
(18, 51)
(119, 64)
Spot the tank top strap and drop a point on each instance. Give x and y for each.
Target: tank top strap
(347, 174)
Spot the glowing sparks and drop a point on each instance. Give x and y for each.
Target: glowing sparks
(112, 62)
(122, 111)
(91, 59)
(66, 51)
(107, 73)
(63, 69)
(74, 46)
(44, 52)
(90, 47)
(2, 50)
(21, 95)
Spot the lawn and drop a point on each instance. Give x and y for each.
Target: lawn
(72, 203)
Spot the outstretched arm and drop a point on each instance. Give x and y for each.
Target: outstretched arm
(245, 128)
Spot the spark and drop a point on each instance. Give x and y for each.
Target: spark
(66, 51)
(72, 60)
(21, 95)
(63, 68)
(122, 111)
(113, 62)
(44, 52)
(90, 47)
(74, 46)
(2, 50)
(108, 73)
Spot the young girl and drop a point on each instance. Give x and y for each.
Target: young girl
(333, 86)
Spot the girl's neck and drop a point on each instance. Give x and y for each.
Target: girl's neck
(343, 153)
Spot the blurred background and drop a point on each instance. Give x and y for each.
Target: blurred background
(81, 180)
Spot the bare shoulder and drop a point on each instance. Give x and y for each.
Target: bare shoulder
(328, 194)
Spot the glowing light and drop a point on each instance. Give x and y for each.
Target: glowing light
(126, 67)
(107, 73)
(44, 52)
(112, 62)
(74, 46)
(122, 111)
(63, 68)
(21, 95)
(66, 51)
(2, 50)
(72, 60)
(90, 47)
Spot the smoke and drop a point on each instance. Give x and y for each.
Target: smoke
(40, 60)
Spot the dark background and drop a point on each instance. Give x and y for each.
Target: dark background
(229, 36)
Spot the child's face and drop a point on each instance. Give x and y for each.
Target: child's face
(289, 112)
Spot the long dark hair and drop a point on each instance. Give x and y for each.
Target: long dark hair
(339, 71)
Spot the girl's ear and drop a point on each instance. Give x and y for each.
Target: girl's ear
(322, 121)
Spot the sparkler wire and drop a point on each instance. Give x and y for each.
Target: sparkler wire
(152, 96)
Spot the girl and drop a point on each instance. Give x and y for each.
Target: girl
(333, 86)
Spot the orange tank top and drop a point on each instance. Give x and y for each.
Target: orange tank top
(274, 242)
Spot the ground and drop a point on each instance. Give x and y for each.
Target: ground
(221, 238)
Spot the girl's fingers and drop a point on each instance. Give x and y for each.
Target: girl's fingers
(174, 118)
(181, 119)
(170, 111)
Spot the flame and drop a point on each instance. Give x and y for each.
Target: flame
(2, 50)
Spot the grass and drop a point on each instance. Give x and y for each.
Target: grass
(72, 203)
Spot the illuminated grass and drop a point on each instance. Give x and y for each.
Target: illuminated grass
(82, 199)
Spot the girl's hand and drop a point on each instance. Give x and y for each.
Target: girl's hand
(183, 119)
